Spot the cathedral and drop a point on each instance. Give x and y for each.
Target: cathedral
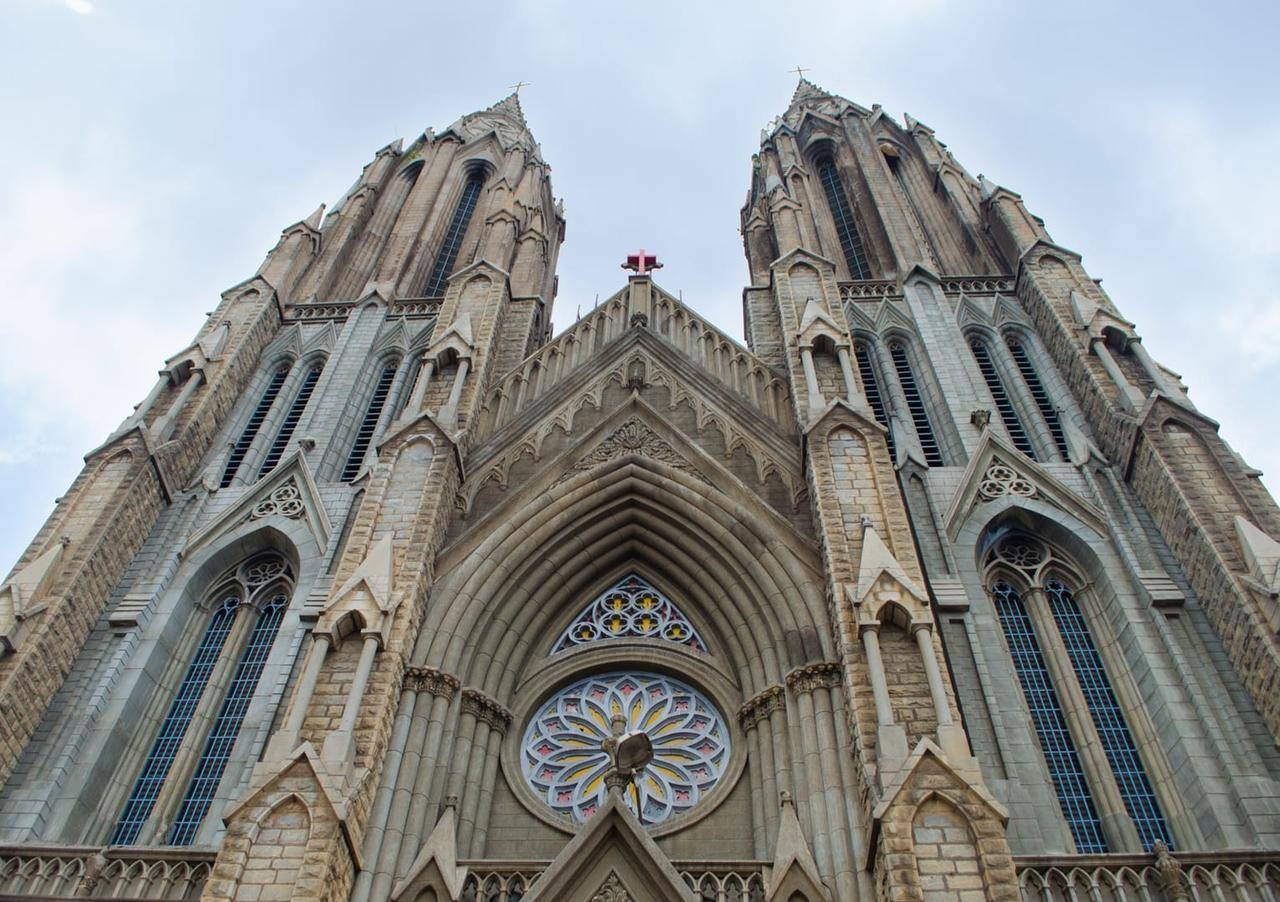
(939, 587)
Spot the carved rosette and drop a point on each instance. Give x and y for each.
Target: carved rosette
(819, 675)
(1000, 480)
(633, 437)
(612, 890)
(760, 706)
(431, 680)
(285, 500)
(485, 710)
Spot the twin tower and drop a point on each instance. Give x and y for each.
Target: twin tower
(939, 588)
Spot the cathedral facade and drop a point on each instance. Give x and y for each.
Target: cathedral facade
(938, 588)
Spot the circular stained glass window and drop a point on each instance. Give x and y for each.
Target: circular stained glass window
(565, 764)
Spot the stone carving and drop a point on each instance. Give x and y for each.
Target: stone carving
(820, 675)
(1000, 480)
(612, 890)
(634, 437)
(760, 706)
(1169, 876)
(431, 680)
(485, 710)
(285, 500)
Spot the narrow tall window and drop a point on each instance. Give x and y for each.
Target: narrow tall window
(1038, 393)
(1004, 405)
(1122, 754)
(364, 435)
(871, 387)
(453, 237)
(174, 727)
(915, 405)
(250, 432)
(226, 728)
(1051, 726)
(276, 451)
(846, 225)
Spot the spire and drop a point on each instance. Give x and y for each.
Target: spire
(806, 90)
(510, 106)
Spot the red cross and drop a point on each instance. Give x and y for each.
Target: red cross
(640, 262)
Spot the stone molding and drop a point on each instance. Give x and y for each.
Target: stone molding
(431, 680)
(633, 437)
(819, 675)
(760, 706)
(485, 709)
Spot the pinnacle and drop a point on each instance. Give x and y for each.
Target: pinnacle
(510, 106)
(806, 89)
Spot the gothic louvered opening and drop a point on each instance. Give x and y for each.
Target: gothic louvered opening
(457, 231)
(276, 451)
(364, 435)
(1122, 754)
(226, 728)
(1004, 405)
(174, 727)
(846, 226)
(1050, 724)
(915, 405)
(871, 388)
(1038, 393)
(250, 431)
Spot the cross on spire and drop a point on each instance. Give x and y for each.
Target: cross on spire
(641, 262)
(518, 85)
(799, 70)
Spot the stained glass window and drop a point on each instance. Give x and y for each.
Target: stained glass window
(631, 609)
(452, 243)
(846, 226)
(565, 765)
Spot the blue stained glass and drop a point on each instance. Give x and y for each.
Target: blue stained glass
(226, 728)
(452, 243)
(146, 789)
(846, 226)
(1051, 726)
(1135, 789)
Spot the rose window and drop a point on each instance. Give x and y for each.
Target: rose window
(565, 765)
(631, 609)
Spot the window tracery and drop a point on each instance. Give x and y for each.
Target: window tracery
(564, 762)
(631, 609)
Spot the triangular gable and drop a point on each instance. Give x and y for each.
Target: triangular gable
(289, 491)
(436, 865)
(817, 322)
(997, 469)
(975, 310)
(20, 594)
(878, 561)
(368, 593)
(889, 315)
(612, 847)
(1008, 311)
(926, 748)
(794, 870)
(1261, 554)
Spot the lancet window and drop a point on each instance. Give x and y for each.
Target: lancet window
(454, 235)
(631, 609)
(369, 423)
(1039, 395)
(296, 409)
(915, 404)
(871, 388)
(251, 428)
(246, 609)
(1032, 588)
(842, 213)
(1004, 404)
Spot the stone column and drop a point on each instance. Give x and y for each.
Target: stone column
(286, 739)
(891, 744)
(816, 401)
(339, 745)
(1130, 397)
(850, 384)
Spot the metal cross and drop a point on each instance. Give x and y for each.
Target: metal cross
(641, 262)
(800, 70)
(518, 85)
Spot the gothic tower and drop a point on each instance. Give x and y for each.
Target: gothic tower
(939, 588)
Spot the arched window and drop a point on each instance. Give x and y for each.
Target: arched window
(631, 608)
(246, 609)
(871, 388)
(276, 451)
(250, 431)
(368, 425)
(1038, 393)
(1046, 611)
(842, 213)
(457, 231)
(915, 404)
(1004, 404)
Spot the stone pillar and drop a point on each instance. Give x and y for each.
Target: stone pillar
(891, 738)
(286, 739)
(816, 401)
(855, 397)
(1130, 397)
(339, 745)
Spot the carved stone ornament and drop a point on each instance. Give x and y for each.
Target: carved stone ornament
(612, 890)
(634, 437)
(285, 500)
(1000, 480)
(431, 680)
(485, 710)
(1169, 875)
(760, 706)
(821, 675)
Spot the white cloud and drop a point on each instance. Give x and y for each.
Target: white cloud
(83, 7)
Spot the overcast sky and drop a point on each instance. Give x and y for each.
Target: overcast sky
(153, 151)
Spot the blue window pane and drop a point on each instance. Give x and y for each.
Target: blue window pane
(452, 243)
(373, 413)
(226, 728)
(846, 226)
(174, 727)
(1051, 726)
(1117, 741)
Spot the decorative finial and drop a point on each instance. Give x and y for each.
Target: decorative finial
(799, 70)
(641, 262)
(515, 89)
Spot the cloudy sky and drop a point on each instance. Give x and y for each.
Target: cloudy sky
(153, 150)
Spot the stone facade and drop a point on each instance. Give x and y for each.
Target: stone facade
(287, 634)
